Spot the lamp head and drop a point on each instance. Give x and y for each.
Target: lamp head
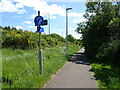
(68, 8)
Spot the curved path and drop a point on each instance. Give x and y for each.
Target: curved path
(75, 74)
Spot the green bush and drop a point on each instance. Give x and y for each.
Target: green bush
(110, 53)
(101, 39)
(19, 39)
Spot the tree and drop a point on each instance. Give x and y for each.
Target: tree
(101, 29)
(71, 38)
(7, 28)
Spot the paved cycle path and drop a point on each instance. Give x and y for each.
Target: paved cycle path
(75, 74)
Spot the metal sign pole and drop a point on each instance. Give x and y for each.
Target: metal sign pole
(39, 21)
(40, 51)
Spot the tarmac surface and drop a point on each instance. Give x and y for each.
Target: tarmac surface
(75, 74)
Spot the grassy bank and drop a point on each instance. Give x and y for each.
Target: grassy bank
(107, 75)
(20, 68)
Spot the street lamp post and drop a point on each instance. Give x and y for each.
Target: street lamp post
(67, 30)
(49, 21)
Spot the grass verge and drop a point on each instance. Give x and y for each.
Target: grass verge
(20, 68)
(107, 76)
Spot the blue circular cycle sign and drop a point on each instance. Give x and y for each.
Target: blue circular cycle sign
(38, 20)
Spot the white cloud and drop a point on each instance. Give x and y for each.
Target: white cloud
(79, 20)
(21, 11)
(52, 17)
(18, 5)
(55, 9)
(19, 27)
(71, 29)
(92, 14)
(73, 33)
(33, 16)
(75, 14)
(27, 22)
(63, 6)
(8, 6)
(43, 6)
(31, 27)
(76, 35)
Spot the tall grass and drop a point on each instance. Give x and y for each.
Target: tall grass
(20, 68)
(107, 76)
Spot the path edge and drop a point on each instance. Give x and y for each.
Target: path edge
(52, 76)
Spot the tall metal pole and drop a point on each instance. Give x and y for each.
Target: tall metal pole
(40, 51)
(49, 23)
(66, 32)
(62, 32)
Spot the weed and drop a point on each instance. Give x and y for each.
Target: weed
(20, 68)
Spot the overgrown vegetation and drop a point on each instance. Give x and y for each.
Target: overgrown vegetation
(101, 39)
(107, 76)
(19, 39)
(20, 68)
(20, 65)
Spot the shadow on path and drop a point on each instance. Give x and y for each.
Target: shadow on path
(79, 58)
(75, 74)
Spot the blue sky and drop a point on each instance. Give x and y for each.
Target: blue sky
(21, 14)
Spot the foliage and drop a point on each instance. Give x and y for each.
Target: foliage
(19, 39)
(71, 38)
(101, 37)
(106, 75)
(101, 32)
(58, 37)
(20, 68)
